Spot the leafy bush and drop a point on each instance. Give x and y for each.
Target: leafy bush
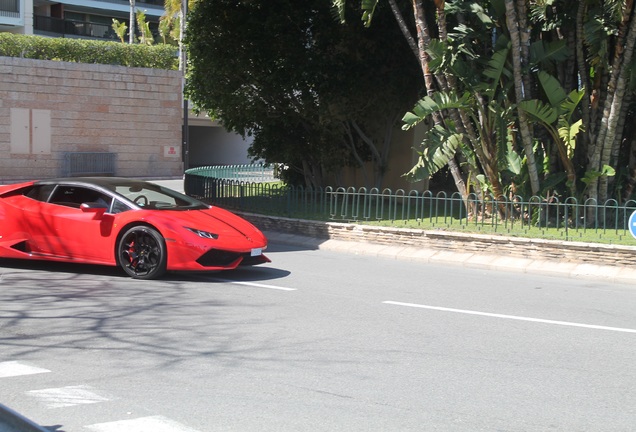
(88, 51)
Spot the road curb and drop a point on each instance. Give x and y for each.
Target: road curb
(474, 260)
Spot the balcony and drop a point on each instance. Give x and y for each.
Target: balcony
(10, 8)
(159, 3)
(71, 28)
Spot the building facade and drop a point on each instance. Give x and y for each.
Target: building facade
(209, 142)
(73, 18)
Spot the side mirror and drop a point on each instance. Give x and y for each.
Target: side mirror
(98, 209)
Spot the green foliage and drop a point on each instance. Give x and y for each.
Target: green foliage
(314, 93)
(559, 110)
(514, 162)
(164, 30)
(88, 51)
(120, 29)
(438, 148)
(431, 105)
(368, 8)
(144, 28)
(593, 175)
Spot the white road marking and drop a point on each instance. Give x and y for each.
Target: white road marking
(143, 424)
(67, 396)
(14, 368)
(514, 317)
(257, 285)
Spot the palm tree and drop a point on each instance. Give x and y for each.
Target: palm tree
(609, 107)
(514, 29)
(614, 104)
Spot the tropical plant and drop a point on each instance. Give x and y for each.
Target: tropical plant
(144, 28)
(556, 117)
(120, 29)
(569, 67)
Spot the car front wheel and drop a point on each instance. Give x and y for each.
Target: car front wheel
(141, 252)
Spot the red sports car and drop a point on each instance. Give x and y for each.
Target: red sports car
(143, 227)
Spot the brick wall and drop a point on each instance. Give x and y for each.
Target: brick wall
(133, 112)
(517, 247)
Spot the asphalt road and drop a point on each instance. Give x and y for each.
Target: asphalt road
(316, 341)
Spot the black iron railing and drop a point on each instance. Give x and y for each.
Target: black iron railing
(72, 28)
(10, 8)
(562, 219)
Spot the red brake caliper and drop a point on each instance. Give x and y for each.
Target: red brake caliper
(132, 256)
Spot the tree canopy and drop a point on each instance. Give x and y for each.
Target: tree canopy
(314, 94)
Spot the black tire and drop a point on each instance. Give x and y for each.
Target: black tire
(141, 252)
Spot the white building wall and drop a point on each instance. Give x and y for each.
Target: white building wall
(211, 144)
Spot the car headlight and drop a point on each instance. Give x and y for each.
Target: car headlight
(204, 234)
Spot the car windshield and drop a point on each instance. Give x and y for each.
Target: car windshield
(155, 197)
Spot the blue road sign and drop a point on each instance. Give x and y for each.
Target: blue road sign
(632, 224)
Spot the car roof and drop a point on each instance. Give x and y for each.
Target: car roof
(105, 182)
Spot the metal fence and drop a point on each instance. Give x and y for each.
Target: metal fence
(257, 173)
(10, 8)
(567, 219)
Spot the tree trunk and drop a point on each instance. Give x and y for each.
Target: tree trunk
(423, 40)
(524, 42)
(397, 14)
(631, 179)
(616, 104)
(583, 77)
(524, 129)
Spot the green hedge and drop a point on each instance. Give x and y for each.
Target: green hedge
(88, 51)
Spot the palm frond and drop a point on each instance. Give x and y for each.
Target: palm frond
(542, 53)
(539, 111)
(368, 8)
(568, 133)
(552, 89)
(338, 8)
(569, 104)
(431, 104)
(439, 148)
(497, 65)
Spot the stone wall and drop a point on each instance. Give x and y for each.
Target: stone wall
(492, 245)
(49, 108)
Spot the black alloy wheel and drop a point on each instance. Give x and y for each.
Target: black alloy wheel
(141, 252)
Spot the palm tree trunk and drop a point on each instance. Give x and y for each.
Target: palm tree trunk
(631, 178)
(524, 129)
(423, 40)
(397, 14)
(583, 76)
(524, 41)
(622, 65)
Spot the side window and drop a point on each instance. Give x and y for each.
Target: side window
(40, 192)
(74, 196)
(120, 207)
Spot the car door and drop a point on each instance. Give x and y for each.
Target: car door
(41, 238)
(74, 233)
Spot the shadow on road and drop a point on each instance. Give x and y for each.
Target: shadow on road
(250, 274)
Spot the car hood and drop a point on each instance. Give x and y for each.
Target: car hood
(214, 220)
